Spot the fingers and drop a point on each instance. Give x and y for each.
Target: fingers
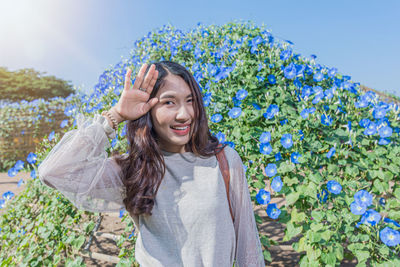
(139, 77)
(128, 79)
(153, 82)
(149, 78)
(150, 104)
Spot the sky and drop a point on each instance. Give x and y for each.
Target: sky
(76, 40)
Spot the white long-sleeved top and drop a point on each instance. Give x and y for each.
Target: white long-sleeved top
(191, 223)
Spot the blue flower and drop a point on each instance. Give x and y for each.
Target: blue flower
(290, 71)
(357, 209)
(278, 156)
(64, 123)
(33, 174)
(285, 54)
(323, 196)
(273, 211)
(389, 236)
(331, 152)
(277, 184)
(216, 118)
(287, 141)
(306, 91)
(301, 135)
(326, 120)
(265, 137)
(370, 129)
(236, 102)
(379, 113)
(220, 136)
(271, 170)
(121, 213)
(304, 113)
(272, 110)
(31, 158)
(263, 197)
(364, 122)
(19, 165)
(12, 172)
(297, 83)
(382, 202)
(20, 182)
(295, 157)
(8, 195)
(283, 122)
(384, 141)
(2, 203)
(371, 217)
(257, 107)
(235, 112)
(349, 126)
(207, 99)
(311, 110)
(382, 122)
(318, 77)
(363, 198)
(385, 131)
(328, 94)
(334, 187)
(332, 72)
(51, 136)
(241, 94)
(265, 148)
(271, 79)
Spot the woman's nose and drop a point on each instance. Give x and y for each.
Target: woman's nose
(183, 113)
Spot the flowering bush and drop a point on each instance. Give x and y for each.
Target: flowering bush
(302, 129)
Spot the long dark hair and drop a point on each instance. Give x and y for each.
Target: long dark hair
(144, 168)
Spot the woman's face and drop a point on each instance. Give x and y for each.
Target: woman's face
(174, 109)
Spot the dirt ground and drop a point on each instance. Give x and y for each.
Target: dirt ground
(282, 255)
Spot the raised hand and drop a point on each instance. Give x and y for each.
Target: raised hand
(134, 102)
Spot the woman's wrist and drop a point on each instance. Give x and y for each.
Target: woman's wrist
(116, 115)
(113, 118)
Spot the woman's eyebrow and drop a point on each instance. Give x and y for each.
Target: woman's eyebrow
(172, 96)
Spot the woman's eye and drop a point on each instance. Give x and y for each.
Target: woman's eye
(166, 102)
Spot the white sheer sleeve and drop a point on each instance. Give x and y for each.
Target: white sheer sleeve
(78, 166)
(248, 245)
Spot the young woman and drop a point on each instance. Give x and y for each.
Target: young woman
(169, 181)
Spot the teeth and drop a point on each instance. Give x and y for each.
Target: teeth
(180, 128)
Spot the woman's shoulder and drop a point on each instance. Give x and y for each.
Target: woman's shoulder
(232, 155)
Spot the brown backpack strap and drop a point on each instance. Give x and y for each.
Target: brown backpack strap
(223, 165)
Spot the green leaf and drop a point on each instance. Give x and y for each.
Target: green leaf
(316, 226)
(292, 198)
(259, 184)
(379, 186)
(298, 217)
(326, 235)
(78, 242)
(286, 167)
(339, 251)
(317, 215)
(329, 258)
(315, 177)
(333, 168)
(291, 231)
(267, 255)
(397, 193)
(362, 255)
